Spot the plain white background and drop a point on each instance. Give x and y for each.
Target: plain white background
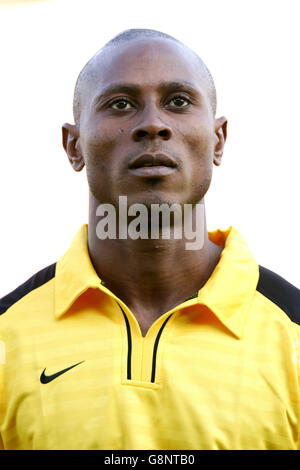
(252, 50)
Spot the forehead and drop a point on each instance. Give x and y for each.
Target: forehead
(146, 63)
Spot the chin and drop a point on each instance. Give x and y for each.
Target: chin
(153, 200)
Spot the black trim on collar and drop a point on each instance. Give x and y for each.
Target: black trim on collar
(35, 281)
(129, 345)
(155, 348)
(280, 292)
(129, 339)
(191, 297)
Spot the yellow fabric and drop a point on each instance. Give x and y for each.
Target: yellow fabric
(226, 365)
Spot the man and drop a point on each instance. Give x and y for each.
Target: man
(149, 342)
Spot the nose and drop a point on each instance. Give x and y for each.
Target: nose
(151, 127)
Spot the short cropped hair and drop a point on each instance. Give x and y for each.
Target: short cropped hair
(129, 35)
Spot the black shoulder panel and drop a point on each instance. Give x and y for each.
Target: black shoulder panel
(37, 280)
(280, 292)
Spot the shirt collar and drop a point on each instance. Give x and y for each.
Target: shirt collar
(227, 293)
(74, 273)
(230, 289)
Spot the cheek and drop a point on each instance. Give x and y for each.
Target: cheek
(97, 148)
(100, 151)
(200, 144)
(200, 148)
(99, 138)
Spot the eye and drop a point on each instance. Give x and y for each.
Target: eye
(180, 101)
(120, 104)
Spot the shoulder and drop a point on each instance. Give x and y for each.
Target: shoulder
(34, 282)
(280, 292)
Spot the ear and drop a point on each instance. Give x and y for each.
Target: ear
(221, 135)
(71, 144)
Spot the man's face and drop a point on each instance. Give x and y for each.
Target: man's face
(147, 103)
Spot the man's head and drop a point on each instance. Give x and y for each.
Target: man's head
(145, 93)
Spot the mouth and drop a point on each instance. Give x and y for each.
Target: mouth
(152, 165)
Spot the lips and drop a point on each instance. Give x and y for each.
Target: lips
(149, 160)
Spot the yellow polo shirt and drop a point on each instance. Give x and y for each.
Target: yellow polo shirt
(219, 371)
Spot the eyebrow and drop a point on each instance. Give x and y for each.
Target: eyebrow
(134, 89)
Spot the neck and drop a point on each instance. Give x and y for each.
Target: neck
(150, 275)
